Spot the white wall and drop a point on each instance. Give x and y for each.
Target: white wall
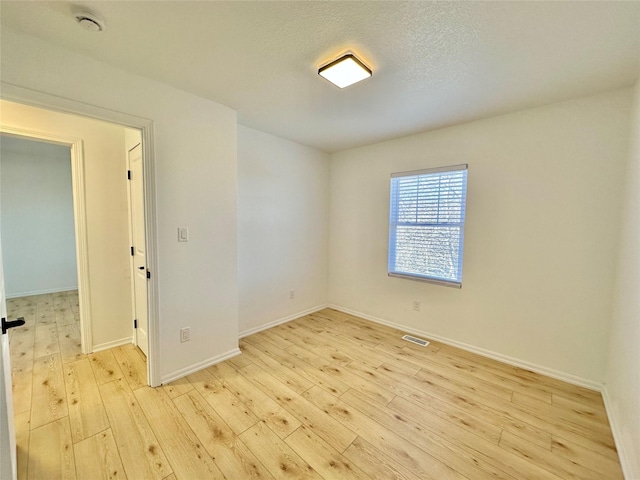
(38, 237)
(283, 222)
(540, 240)
(622, 381)
(106, 211)
(196, 186)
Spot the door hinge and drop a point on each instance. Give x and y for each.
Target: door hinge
(148, 274)
(132, 251)
(128, 174)
(135, 323)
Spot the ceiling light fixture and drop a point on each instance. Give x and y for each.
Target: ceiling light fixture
(345, 71)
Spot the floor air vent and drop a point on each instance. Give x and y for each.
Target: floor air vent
(417, 341)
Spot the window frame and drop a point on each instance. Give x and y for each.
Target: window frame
(392, 271)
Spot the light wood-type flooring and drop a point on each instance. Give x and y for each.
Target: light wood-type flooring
(327, 396)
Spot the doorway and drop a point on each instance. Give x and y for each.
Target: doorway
(78, 148)
(76, 248)
(38, 231)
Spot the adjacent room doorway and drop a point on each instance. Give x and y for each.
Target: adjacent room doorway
(139, 161)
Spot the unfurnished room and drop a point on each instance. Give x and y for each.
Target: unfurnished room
(320, 240)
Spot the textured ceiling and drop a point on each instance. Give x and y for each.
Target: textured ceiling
(434, 63)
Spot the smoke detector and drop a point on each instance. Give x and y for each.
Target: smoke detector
(90, 21)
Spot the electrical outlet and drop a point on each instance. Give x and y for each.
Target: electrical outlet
(185, 334)
(292, 294)
(416, 305)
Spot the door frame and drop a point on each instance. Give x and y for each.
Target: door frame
(14, 93)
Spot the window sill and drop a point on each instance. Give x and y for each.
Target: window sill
(444, 283)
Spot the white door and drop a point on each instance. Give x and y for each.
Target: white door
(139, 259)
(8, 467)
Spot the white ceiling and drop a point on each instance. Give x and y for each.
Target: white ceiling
(434, 63)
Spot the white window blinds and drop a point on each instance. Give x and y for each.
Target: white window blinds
(426, 224)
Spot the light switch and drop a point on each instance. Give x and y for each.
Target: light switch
(183, 234)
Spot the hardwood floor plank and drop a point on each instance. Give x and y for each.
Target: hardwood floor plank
(23, 428)
(187, 457)
(288, 377)
(237, 415)
(132, 365)
(424, 465)
(376, 464)
(323, 458)
(534, 416)
(365, 335)
(446, 417)
(427, 394)
(561, 416)
(70, 345)
(86, 411)
(22, 384)
(140, 451)
(488, 451)
(97, 457)
(566, 403)
(467, 367)
(274, 339)
(531, 379)
(391, 336)
(51, 452)
(281, 461)
(288, 361)
(44, 310)
(105, 367)
(557, 464)
(238, 362)
(65, 317)
(49, 400)
(177, 387)
(370, 355)
(475, 382)
(263, 407)
(305, 322)
(309, 344)
(606, 467)
(432, 440)
(231, 456)
(461, 387)
(46, 339)
(21, 342)
(310, 415)
(345, 375)
(408, 351)
(308, 357)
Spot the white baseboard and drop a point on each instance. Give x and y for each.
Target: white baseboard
(617, 435)
(280, 321)
(550, 372)
(40, 292)
(114, 343)
(183, 372)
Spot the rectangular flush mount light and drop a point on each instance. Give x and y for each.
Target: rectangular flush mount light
(345, 71)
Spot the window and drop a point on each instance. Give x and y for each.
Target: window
(426, 224)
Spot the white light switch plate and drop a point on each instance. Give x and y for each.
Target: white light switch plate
(183, 234)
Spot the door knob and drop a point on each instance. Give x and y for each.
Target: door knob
(140, 268)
